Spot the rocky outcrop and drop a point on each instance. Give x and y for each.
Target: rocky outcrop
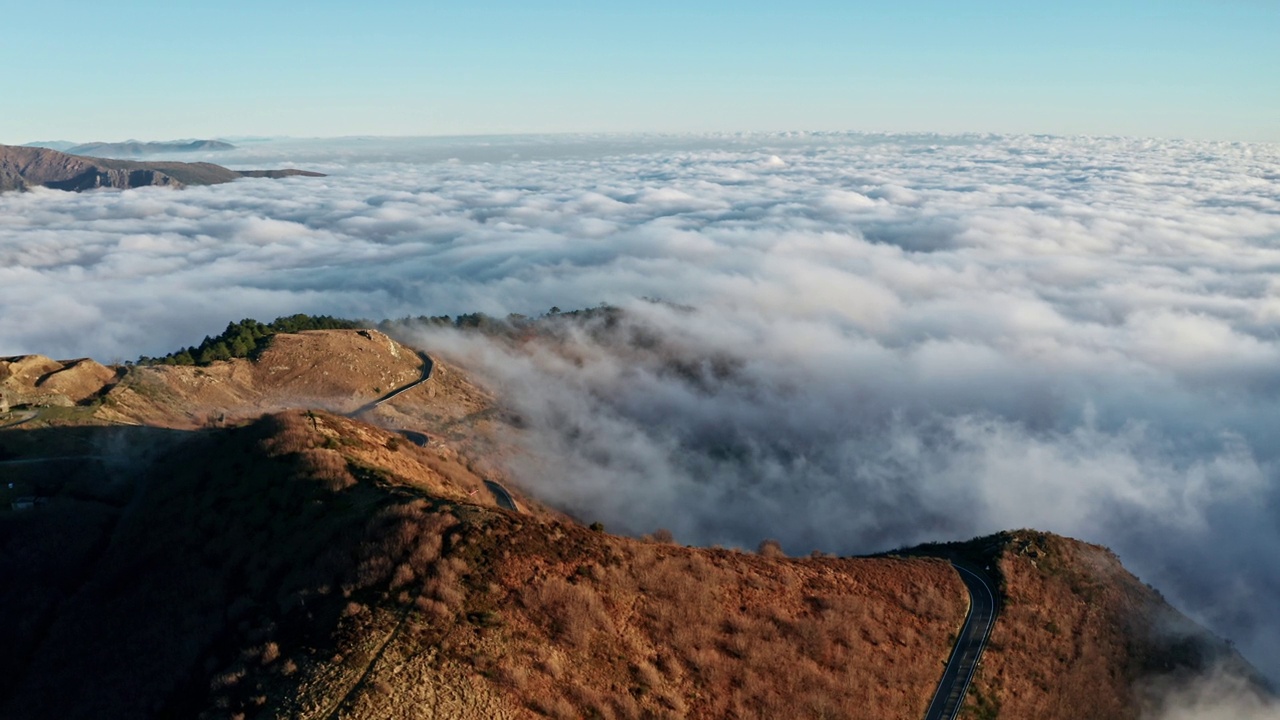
(22, 168)
(36, 380)
(93, 178)
(78, 380)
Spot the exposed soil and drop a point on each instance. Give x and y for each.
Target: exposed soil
(335, 370)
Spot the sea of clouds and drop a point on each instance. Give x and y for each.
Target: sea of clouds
(882, 339)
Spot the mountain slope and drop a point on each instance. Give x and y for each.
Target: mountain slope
(1080, 637)
(308, 565)
(263, 569)
(26, 167)
(304, 564)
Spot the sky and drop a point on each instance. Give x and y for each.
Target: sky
(152, 70)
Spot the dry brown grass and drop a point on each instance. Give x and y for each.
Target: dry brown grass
(652, 630)
(301, 567)
(1079, 635)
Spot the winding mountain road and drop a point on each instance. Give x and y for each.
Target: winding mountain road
(427, 365)
(56, 458)
(503, 498)
(963, 663)
(18, 418)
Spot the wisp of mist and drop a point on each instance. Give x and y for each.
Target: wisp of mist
(846, 342)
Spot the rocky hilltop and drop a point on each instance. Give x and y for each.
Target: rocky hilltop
(22, 168)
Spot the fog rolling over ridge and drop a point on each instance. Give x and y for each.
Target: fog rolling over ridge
(876, 340)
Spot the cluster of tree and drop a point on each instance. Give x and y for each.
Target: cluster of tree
(246, 338)
(512, 324)
(468, 321)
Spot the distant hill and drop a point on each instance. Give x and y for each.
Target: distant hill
(134, 148)
(26, 167)
(62, 145)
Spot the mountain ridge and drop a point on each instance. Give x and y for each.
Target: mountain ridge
(301, 563)
(22, 168)
(135, 148)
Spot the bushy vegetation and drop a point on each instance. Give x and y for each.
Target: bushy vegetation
(245, 338)
(513, 324)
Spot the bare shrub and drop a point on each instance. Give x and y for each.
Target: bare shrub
(626, 707)
(435, 610)
(647, 675)
(402, 576)
(227, 679)
(454, 566)
(446, 591)
(289, 434)
(673, 702)
(771, 549)
(591, 702)
(270, 653)
(558, 707)
(424, 554)
(326, 466)
(513, 676)
(373, 569)
(552, 666)
(575, 611)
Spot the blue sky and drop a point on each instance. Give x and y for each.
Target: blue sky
(157, 70)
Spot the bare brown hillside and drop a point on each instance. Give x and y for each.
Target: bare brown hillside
(337, 370)
(38, 380)
(309, 563)
(340, 371)
(1081, 637)
(198, 558)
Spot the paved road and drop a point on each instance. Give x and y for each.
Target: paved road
(427, 366)
(17, 418)
(502, 496)
(983, 608)
(59, 458)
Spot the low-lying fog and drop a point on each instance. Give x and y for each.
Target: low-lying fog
(890, 340)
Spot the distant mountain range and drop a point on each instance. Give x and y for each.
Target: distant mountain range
(25, 167)
(133, 148)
